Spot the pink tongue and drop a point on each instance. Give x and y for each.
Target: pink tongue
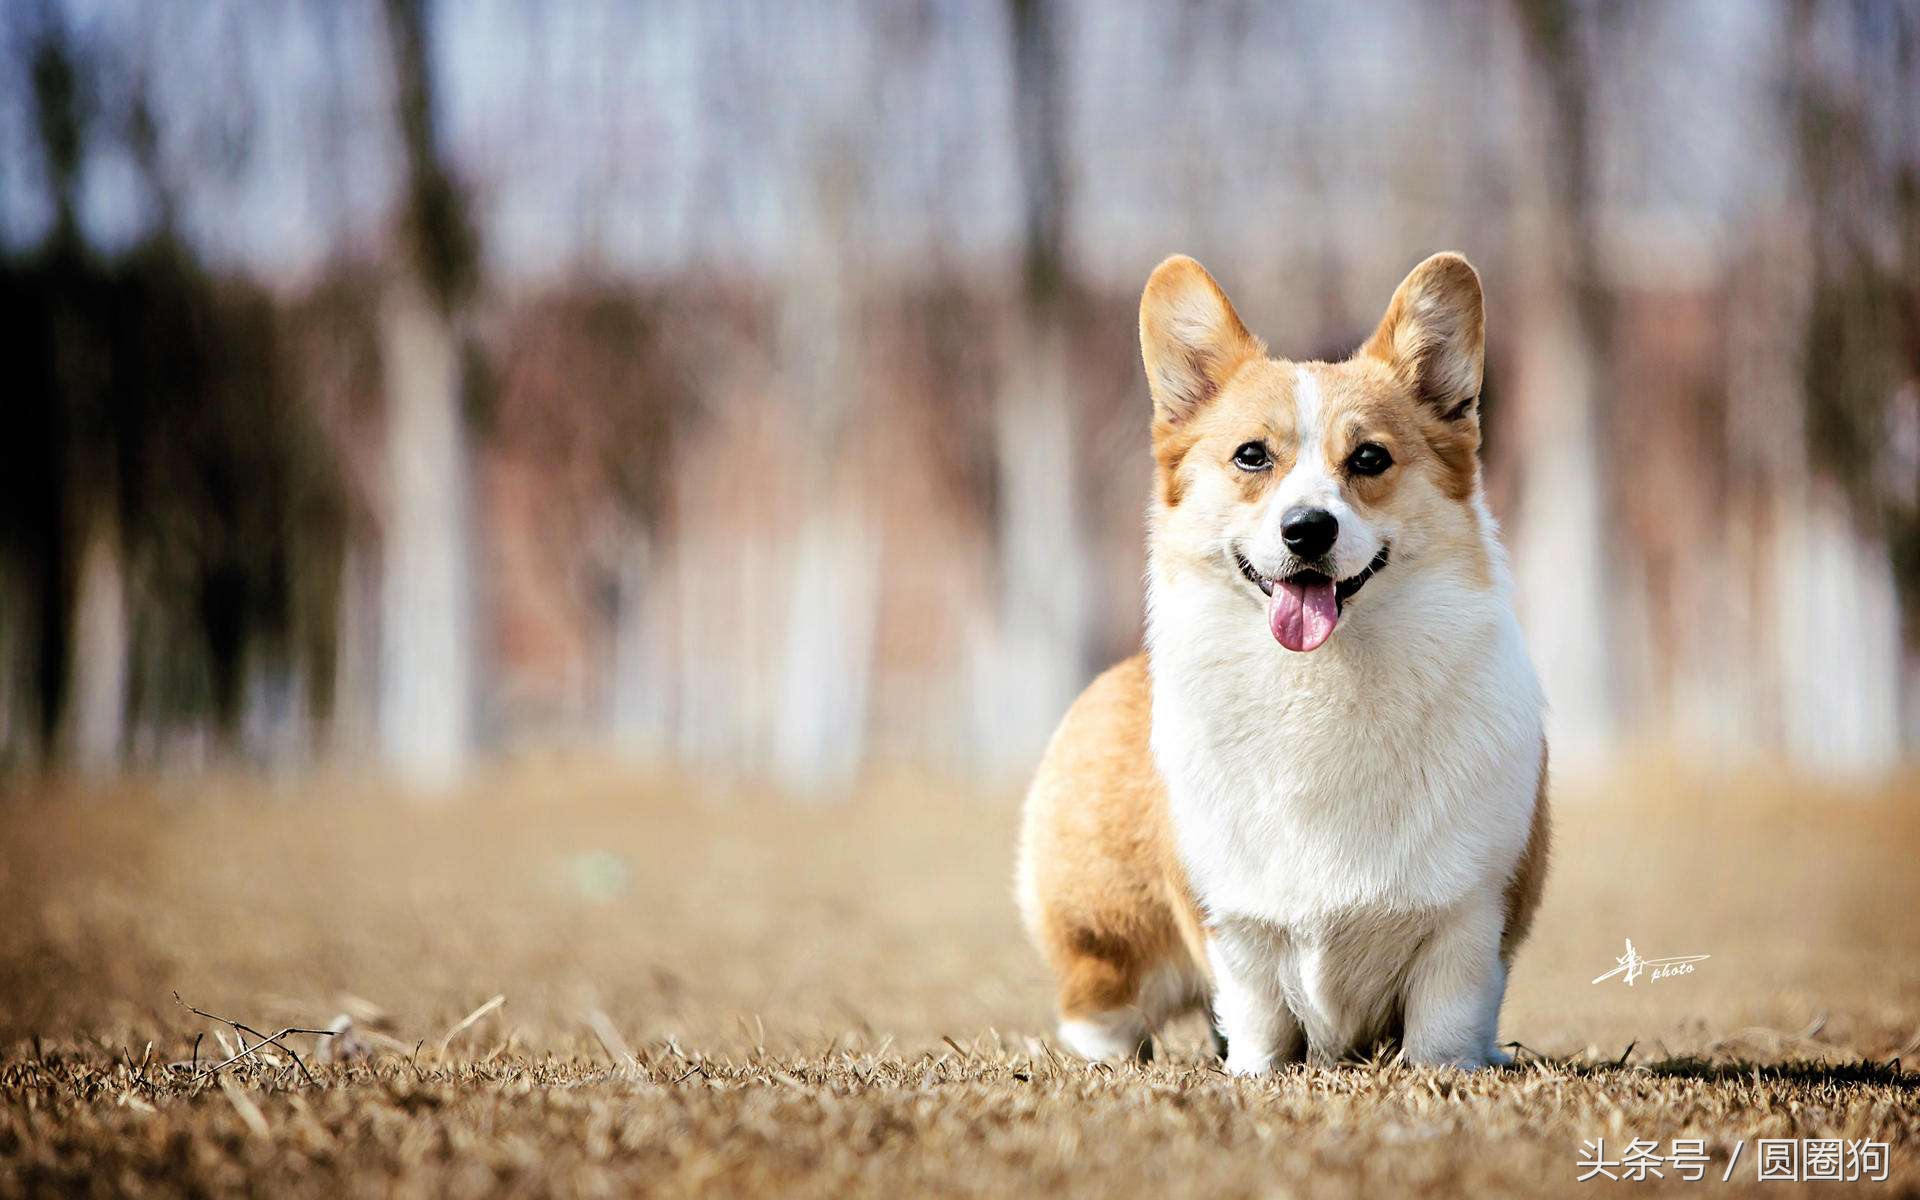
(1302, 615)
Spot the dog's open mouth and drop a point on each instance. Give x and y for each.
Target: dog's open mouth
(1303, 608)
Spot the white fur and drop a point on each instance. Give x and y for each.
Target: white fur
(1349, 817)
(1107, 1036)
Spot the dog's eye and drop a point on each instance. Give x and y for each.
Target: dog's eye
(1369, 459)
(1252, 456)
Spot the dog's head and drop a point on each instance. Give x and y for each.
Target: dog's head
(1297, 484)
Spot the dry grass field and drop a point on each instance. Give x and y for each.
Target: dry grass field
(715, 992)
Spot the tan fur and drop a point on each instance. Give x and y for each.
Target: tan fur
(1192, 344)
(1434, 312)
(1530, 876)
(1114, 902)
(1191, 339)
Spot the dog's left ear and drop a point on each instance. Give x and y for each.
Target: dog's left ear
(1434, 336)
(1190, 339)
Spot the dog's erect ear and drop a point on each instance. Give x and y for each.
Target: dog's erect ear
(1190, 338)
(1434, 336)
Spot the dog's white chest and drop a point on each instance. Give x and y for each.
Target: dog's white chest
(1391, 774)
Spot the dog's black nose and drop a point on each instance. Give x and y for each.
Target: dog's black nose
(1308, 532)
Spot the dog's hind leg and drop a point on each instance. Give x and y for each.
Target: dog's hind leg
(1111, 1009)
(1104, 1014)
(1110, 1036)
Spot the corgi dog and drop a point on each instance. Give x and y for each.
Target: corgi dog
(1317, 804)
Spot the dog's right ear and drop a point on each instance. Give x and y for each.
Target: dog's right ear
(1434, 336)
(1190, 338)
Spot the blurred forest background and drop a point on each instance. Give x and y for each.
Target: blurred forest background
(754, 384)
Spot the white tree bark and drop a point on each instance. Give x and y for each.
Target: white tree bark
(827, 597)
(1034, 666)
(426, 679)
(820, 721)
(1836, 636)
(1559, 559)
(97, 715)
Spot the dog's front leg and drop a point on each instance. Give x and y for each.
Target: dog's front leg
(1249, 1007)
(1454, 991)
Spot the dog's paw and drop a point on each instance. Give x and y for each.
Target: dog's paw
(1248, 1066)
(1465, 1060)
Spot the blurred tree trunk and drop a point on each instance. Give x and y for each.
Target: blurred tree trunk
(1040, 136)
(1042, 640)
(96, 720)
(44, 481)
(638, 709)
(1570, 589)
(828, 602)
(1903, 524)
(1845, 521)
(427, 656)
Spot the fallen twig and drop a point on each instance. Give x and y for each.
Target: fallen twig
(139, 1073)
(247, 1051)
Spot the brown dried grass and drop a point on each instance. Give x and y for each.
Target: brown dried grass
(712, 992)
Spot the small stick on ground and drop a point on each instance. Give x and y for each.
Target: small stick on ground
(138, 1073)
(1538, 1057)
(247, 1051)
